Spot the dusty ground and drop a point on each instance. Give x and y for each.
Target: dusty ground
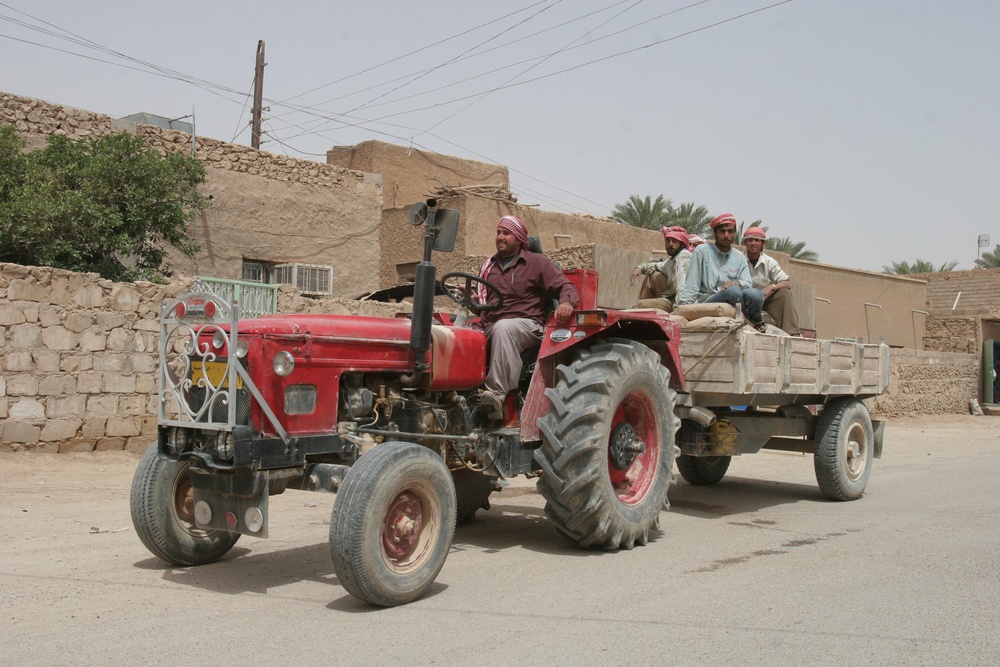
(756, 570)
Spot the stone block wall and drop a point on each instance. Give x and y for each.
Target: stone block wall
(79, 356)
(976, 289)
(923, 382)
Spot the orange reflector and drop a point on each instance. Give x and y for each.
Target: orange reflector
(591, 319)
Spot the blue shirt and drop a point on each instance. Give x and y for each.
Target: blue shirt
(710, 269)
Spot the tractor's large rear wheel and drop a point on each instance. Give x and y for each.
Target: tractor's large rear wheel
(607, 450)
(392, 524)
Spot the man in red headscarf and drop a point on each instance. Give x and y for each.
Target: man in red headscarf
(665, 278)
(768, 276)
(527, 281)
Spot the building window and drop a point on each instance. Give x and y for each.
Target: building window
(256, 272)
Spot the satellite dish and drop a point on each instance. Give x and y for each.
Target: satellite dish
(418, 214)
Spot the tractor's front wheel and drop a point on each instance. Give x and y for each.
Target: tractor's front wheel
(608, 450)
(392, 524)
(162, 505)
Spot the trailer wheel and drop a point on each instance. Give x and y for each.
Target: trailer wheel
(844, 447)
(392, 524)
(162, 506)
(472, 493)
(607, 451)
(703, 470)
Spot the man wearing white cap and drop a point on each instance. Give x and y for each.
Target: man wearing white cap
(527, 281)
(719, 273)
(666, 277)
(770, 279)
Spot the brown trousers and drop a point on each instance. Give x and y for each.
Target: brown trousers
(779, 307)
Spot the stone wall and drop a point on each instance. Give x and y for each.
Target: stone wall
(929, 383)
(949, 290)
(265, 207)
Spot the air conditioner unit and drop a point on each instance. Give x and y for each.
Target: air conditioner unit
(309, 278)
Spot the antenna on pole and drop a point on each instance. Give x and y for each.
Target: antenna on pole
(258, 96)
(984, 242)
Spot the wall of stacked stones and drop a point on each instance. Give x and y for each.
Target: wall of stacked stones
(923, 382)
(36, 119)
(79, 356)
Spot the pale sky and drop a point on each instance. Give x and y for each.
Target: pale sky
(868, 129)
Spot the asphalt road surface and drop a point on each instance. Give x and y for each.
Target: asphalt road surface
(757, 570)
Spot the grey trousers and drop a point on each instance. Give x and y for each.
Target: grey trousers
(507, 340)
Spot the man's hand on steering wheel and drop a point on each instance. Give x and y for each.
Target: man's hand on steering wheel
(464, 294)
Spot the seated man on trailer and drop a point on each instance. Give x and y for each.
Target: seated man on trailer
(527, 281)
(664, 278)
(774, 283)
(720, 273)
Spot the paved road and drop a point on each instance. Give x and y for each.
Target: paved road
(758, 570)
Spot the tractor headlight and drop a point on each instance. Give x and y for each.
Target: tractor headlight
(242, 348)
(283, 364)
(177, 441)
(225, 446)
(219, 339)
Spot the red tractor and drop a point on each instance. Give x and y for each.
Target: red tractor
(385, 413)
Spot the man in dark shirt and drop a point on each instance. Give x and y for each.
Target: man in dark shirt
(527, 281)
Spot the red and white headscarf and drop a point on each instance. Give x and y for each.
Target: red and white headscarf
(724, 219)
(695, 241)
(678, 233)
(755, 233)
(515, 226)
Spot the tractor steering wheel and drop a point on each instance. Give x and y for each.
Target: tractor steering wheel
(463, 294)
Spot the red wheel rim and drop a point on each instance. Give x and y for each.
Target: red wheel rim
(401, 526)
(632, 485)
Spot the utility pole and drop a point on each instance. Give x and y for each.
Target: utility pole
(258, 96)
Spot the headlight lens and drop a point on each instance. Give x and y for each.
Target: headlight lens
(219, 339)
(177, 441)
(225, 446)
(283, 364)
(242, 348)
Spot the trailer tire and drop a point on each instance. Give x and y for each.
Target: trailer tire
(844, 448)
(472, 493)
(703, 470)
(392, 524)
(615, 394)
(162, 507)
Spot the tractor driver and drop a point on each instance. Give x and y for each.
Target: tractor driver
(528, 281)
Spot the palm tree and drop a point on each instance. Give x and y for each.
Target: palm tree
(989, 260)
(694, 219)
(796, 250)
(639, 212)
(920, 266)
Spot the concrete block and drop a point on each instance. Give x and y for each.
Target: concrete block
(145, 384)
(27, 409)
(58, 338)
(76, 363)
(102, 405)
(55, 430)
(65, 406)
(78, 322)
(3, 407)
(133, 405)
(110, 444)
(124, 298)
(149, 426)
(24, 335)
(143, 363)
(22, 384)
(120, 339)
(92, 341)
(110, 362)
(94, 427)
(89, 296)
(46, 360)
(49, 317)
(77, 445)
(20, 432)
(57, 385)
(140, 444)
(23, 290)
(119, 384)
(3, 386)
(90, 383)
(107, 321)
(11, 315)
(123, 426)
(18, 361)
